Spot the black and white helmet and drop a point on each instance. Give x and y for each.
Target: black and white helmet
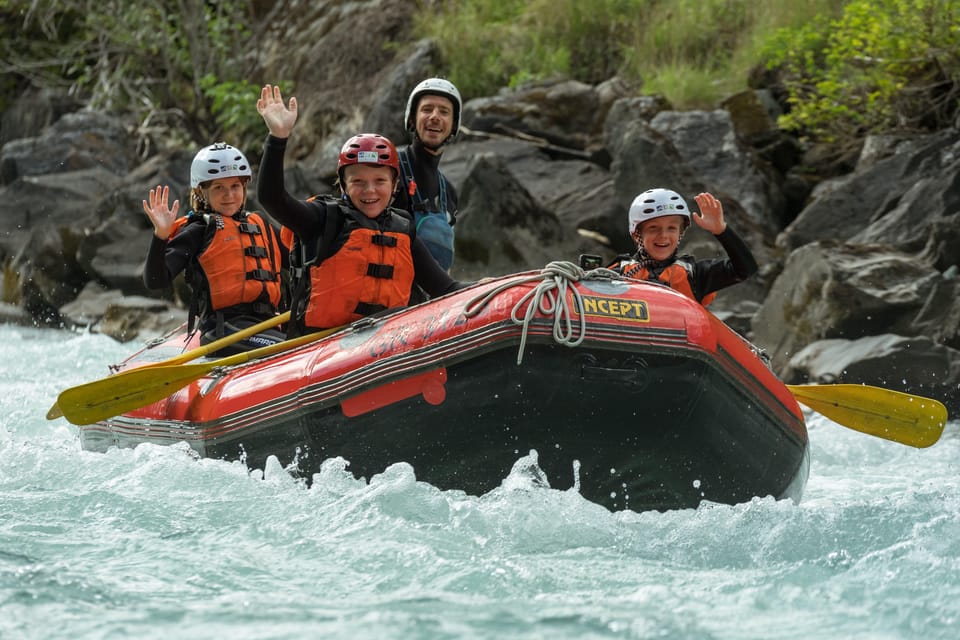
(219, 160)
(436, 87)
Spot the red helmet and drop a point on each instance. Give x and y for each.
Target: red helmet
(368, 148)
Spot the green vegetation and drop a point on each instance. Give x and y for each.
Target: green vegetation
(693, 52)
(850, 66)
(179, 67)
(184, 68)
(881, 65)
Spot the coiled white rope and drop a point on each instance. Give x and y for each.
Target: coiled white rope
(549, 297)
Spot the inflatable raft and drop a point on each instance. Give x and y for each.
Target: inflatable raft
(627, 390)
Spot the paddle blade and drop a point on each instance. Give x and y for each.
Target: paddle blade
(891, 415)
(126, 391)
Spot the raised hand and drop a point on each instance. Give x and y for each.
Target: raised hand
(710, 217)
(160, 214)
(279, 117)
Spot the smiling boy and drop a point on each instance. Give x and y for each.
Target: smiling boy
(657, 221)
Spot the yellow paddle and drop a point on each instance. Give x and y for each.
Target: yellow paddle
(199, 352)
(891, 415)
(128, 390)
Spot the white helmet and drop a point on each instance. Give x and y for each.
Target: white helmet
(436, 87)
(656, 203)
(219, 160)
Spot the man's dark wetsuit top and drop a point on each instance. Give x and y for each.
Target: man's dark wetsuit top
(426, 173)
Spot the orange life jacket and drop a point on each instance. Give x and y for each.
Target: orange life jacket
(371, 271)
(676, 275)
(240, 262)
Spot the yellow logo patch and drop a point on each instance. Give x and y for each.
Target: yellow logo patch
(616, 308)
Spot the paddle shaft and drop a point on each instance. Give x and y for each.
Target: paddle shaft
(225, 341)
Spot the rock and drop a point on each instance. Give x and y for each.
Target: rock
(708, 143)
(79, 140)
(14, 314)
(868, 202)
(389, 105)
(131, 317)
(830, 290)
(625, 111)
(33, 111)
(567, 113)
(501, 228)
(939, 318)
(66, 199)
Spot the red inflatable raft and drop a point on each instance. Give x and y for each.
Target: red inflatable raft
(631, 391)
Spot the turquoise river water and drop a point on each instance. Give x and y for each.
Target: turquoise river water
(153, 543)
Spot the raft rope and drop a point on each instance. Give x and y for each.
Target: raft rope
(549, 297)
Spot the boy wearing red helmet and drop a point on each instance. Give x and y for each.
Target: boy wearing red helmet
(361, 256)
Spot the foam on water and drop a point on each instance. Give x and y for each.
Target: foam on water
(155, 543)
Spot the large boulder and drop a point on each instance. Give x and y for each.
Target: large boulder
(334, 55)
(566, 113)
(80, 140)
(501, 228)
(708, 144)
(67, 199)
(572, 190)
(832, 290)
(390, 101)
(893, 198)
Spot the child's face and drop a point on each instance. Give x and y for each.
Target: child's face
(226, 195)
(660, 236)
(369, 187)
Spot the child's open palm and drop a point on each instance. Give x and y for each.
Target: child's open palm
(280, 118)
(710, 217)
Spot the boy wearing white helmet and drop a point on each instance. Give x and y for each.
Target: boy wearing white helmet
(657, 220)
(231, 257)
(432, 117)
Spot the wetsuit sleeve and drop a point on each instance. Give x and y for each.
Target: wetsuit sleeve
(713, 275)
(166, 259)
(298, 215)
(741, 258)
(429, 275)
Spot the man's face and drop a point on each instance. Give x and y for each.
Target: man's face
(434, 120)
